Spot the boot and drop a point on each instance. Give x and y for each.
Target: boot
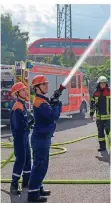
(102, 146)
(24, 184)
(25, 180)
(44, 192)
(37, 199)
(15, 189)
(101, 149)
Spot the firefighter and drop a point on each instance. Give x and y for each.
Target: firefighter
(45, 116)
(101, 103)
(20, 131)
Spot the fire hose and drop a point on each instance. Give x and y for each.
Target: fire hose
(53, 99)
(62, 150)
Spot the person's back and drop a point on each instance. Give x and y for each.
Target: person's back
(45, 117)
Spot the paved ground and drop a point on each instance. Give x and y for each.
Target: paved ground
(81, 161)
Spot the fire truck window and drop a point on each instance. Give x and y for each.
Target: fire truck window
(7, 84)
(79, 81)
(73, 82)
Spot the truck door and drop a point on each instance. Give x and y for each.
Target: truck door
(74, 94)
(85, 89)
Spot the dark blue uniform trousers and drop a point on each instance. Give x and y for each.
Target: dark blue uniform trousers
(41, 148)
(103, 126)
(22, 158)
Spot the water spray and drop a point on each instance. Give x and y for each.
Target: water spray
(86, 53)
(58, 92)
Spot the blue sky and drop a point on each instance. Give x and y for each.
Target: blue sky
(41, 21)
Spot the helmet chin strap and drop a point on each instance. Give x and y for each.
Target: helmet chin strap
(20, 96)
(39, 89)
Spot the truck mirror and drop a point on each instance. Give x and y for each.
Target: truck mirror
(87, 82)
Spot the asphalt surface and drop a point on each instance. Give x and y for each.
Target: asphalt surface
(81, 161)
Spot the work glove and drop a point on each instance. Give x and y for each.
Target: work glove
(55, 102)
(55, 96)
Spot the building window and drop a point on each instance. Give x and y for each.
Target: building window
(80, 44)
(79, 81)
(30, 57)
(73, 82)
(57, 44)
(99, 48)
(108, 48)
(47, 44)
(53, 44)
(75, 44)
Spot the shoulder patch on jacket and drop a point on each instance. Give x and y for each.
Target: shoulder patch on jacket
(106, 92)
(96, 93)
(17, 105)
(38, 101)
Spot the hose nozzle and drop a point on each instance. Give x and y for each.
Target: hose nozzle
(61, 88)
(57, 93)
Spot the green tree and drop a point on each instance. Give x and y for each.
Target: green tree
(48, 59)
(67, 59)
(13, 41)
(6, 56)
(64, 60)
(93, 73)
(56, 60)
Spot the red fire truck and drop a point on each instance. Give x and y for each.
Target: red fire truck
(7, 80)
(75, 97)
(9, 75)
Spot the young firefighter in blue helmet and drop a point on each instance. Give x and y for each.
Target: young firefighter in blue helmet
(101, 103)
(45, 115)
(20, 131)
